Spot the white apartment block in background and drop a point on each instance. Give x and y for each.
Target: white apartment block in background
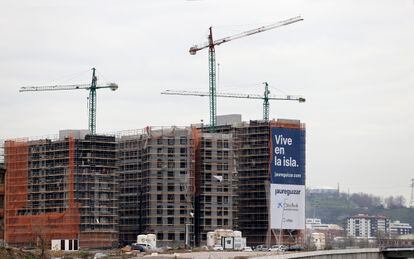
(330, 231)
(312, 221)
(398, 229)
(363, 225)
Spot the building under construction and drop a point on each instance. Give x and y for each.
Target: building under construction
(176, 182)
(157, 169)
(216, 186)
(64, 188)
(251, 147)
(2, 176)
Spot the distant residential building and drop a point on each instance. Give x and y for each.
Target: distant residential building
(398, 229)
(363, 225)
(312, 221)
(330, 231)
(323, 190)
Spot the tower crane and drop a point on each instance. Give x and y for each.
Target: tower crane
(212, 58)
(266, 97)
(92, 87)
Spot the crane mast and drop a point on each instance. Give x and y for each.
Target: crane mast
(212, 59)
(92, 104)
(92, 95)
(266, 102)
(212, 81)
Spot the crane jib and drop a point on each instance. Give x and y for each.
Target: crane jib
(257, 30)
(196, 48)
(92, 95)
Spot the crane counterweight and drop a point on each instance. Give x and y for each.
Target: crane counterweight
(193, 50)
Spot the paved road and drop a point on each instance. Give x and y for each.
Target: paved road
(267, 255)
(213, 255)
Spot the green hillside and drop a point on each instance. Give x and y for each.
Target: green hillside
(335, 208)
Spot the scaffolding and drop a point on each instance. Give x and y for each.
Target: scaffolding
(29, 229)
(2, 189)
(216, 185)
(157, 185)
(175, 182)
(251, 145)
(61, 189)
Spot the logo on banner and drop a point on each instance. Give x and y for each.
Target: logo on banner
(287, 206)
(287, 192)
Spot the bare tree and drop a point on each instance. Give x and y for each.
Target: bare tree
(366, 200)
(396, 202)
(41, 233)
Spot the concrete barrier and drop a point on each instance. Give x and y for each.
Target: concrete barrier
(366, 253)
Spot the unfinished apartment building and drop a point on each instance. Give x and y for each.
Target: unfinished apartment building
(252, 141)
(131, 193)
(251, 147)
(63, 188)
(157, 168)
(2, 176)
(216, 185)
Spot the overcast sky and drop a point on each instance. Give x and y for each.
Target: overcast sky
(353, 61)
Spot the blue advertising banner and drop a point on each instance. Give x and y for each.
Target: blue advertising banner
(288, 156)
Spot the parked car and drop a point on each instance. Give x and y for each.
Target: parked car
(100, 255)
(217, 248)
(138, 247)
(295, 248)
(146, 246)
(261, 248)
(248, 249)
(277, 248)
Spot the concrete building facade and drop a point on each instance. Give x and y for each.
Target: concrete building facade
(366, 226)
(157, 168)
(331, 231)
(216, 185)
(177, 183)
(398, 228)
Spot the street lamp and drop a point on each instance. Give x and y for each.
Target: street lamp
(281, 222)
(187, 231)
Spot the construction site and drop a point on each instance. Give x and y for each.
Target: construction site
(176, 182)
